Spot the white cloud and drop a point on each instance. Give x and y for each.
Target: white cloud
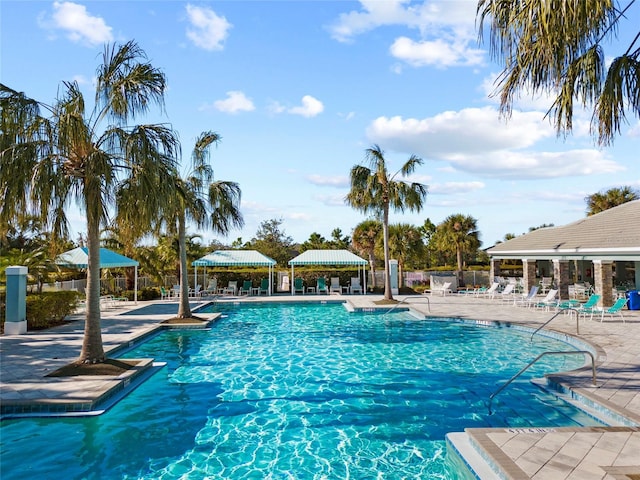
(235, 102)
(78, 24)
(436, 52)
(336, 181)
(453, 188)
(476, 141)
(310, 107)
(207, 30)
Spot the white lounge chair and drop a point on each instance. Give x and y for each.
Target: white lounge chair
(491, 291)
(442, 289)
(335, 285)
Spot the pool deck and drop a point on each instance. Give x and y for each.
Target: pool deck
(609, 453)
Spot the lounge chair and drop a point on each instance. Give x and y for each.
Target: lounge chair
(549, 301)
(507, 295)
(590, 307)
(528, 299)
(195, 292)
(355, 285)
(175, 291)
(335, 285)
(615, 309)
(298, 286)
(264, 287)
(285, 286)
(491, 291)
(321, 285)
(231, 288)
(212, 287)
(246, 288)
(442, 289)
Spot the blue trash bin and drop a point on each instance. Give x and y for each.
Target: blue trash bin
(633, 300)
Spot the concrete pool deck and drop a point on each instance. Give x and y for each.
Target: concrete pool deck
(610, 453)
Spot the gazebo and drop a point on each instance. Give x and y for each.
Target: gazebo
(79, 258)
(236, 258)
(330, 257)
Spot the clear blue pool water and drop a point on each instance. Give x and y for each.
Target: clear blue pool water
(285, 391)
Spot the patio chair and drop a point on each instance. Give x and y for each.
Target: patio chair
(164, 295)
(528, 299)
(335, 285)
(355, 286)
(298, 285)
(549, 301)
(195, 292)
(212, 287)
(264, 287)
(508, 294)
(246, 288)
(615, 309)
(175, 291)
(491, 291)
(231, 288)
(321, 285)
(442, 289)
(590, 306)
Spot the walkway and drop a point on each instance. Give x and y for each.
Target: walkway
(610, 453)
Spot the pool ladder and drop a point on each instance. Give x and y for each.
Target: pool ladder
(405, 302)
(572, 352)
(574, 310)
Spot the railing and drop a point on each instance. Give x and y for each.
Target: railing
(576, 311)
(405, 302)
(572, 352)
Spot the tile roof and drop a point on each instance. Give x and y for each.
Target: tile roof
(610, 235)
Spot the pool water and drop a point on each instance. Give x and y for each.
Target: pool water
(292, 391)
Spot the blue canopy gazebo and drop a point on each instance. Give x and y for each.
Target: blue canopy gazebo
(330, 257)
(236, 258)
(79, 258)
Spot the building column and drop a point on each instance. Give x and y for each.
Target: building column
(494, 270)
(561, 278)
(16, 310)
(528, 274)
(603, 281)
(637, 278)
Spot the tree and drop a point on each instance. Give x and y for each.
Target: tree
(558, 47)
(203, 201)
(405, 245)
(461, 233)
(49, 161)
(315, 242)
(601, 201)
(374, 190)
(273, 242)
(338, 241)
(364, 239)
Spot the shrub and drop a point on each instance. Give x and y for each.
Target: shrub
(49, 309)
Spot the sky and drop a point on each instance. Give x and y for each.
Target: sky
(299, 90)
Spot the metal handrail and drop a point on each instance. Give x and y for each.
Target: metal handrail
(407, 303)
(577, 312)
(572, 352)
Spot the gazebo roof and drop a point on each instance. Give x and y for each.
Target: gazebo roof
(78, 258)
(234, 258)
(327, 257)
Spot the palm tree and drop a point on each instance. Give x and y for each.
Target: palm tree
(374, 190)
(601, 201)
(49, 161)
(558, 47)
(363, 240)
(405, 245)
(203, 201)
(461, 232)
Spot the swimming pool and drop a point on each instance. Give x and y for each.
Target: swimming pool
(299, 391)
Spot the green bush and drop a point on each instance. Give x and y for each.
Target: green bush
(147, 293)
(49, 309)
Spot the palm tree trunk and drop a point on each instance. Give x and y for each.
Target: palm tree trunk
(92, 349)
(184, 310)
(459, 261)
(372, 266)
(385, 237)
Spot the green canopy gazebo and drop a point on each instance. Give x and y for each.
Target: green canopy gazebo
(79, 258)
(236, 258)
(330, 257)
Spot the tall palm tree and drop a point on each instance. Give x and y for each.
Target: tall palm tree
(364, 239)
(66, 154)
(601, 201)
(203, 201)
(461, 232)
(558, 47)
(375, 190)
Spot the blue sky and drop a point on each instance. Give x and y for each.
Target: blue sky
(298, 90)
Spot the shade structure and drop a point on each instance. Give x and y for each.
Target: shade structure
(236, 258)
(329, 257)
(79, 258)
